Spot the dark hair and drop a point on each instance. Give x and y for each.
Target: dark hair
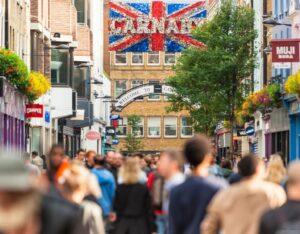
(54, 147)
(79, 151)
(196, 149)
(35, 153)
(99, 160)
(248, 165)
(226, 164)
(174, 155)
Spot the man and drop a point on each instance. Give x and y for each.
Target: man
(238, 209)
(107, 184)
(285, 219)
(89, 162)
(80, 155)
(169, 166)
(109, 159)
(37, 160)
(24, 210)
(188, 201)
(32, 168)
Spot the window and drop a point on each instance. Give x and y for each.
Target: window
(120, 87)
(136, 83)
(80, 77)
(153, 58)
(60, 66)
(153, 126)
(139, 132)
(154, 97)
(120, 58)
(186, 127)
(137, 59)
(170, 58)
(121, 130)
(170, 126)
(80, 6)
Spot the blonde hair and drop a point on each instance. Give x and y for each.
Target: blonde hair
(276, 170)
(130, 171)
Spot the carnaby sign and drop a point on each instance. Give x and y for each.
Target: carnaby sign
(286, 50)
(145, 90)
(34, 111)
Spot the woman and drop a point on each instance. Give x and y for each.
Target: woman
(132, 203)
(75, 187)
(276, 171)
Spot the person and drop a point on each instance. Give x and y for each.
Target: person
(75, 188)
(44, 158)
(235, 161)
(32, 168)
(80, 155)
(118, 160)
(226, 168)
(37, 160)
(107, 184)
(89, 162)
(109, 159)
(285, 219)
(189, 200)
(214, 169)
(24, 210)
(245, 201)
(276, 171)
(132, 204)
(170, 168)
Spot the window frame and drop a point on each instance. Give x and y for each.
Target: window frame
(115, 87)
(141, 125)
(153, 64)
(137, 53)
(176, 127)
(159, 96)
(189, 126)
(170, 64)
(148, 126)
(121, 64)
(140, 98)
(123, 126)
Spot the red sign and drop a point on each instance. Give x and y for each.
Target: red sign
(34, 111)
(285, 51)
(93, 135)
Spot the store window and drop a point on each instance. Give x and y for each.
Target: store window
(186, 127)
(120, 87)
(136, 83)
(81, 8)
(153, 58)
(121, 130)
(139, 131)
(120, 58)
(153, 127)
(60, 66)
(137, 59)
(170, 58)
(80, 77)
(170, 126)
(154, 97)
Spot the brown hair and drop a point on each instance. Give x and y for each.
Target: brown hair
(174, 155)
(130, 171)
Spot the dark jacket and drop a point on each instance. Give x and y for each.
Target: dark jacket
(133, 208)
(60, 217)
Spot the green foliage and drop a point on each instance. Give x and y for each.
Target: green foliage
(132, 142)
(209, 82)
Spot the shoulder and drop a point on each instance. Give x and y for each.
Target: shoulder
(216, 182)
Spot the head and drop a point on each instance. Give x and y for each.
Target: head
(170, 163)
(118, 160)
(197, 152)
(140, 158)
(110, 157)
(74, 182)
(251, 166)
(19, 196)
(293, 184)
(56, 156)
(99, 161)
(226, 164)
(34, 154)
(90, 155)
(148, 160)
(275, 170)
(80, 155)
(130, 171)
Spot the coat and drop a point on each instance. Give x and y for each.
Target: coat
(133, 208)
(239, 208)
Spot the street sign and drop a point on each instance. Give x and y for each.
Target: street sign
(241, 132)
(250, 131)
(47, 116)
(92, 135)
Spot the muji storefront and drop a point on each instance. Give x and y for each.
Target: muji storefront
(12, 118)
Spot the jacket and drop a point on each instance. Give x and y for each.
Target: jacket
(238, 209)
(92, 218)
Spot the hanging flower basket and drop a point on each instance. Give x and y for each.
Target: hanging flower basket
(292, 85)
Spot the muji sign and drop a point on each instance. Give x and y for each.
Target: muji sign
(154, 25)
(285, 51)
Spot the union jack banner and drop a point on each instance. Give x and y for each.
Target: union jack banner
(154, 25)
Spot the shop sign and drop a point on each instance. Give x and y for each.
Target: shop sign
(115, 141)
(142, 26)
(241, 132)
(47, 116)
(282, 65)
(250, 131)
(92, 135)
(34, 111)
(110, 131)
(285, 51)
(115, 117)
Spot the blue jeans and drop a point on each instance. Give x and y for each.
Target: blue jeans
(161, 223)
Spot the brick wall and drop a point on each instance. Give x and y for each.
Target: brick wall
(84, 38)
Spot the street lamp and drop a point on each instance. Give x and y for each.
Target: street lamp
(268, 50)
(270, 22)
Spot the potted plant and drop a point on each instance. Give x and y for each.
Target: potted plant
(292, 85)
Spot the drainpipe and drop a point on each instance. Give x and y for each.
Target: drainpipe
(6, 30)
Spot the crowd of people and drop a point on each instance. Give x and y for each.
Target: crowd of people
(176, 192)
